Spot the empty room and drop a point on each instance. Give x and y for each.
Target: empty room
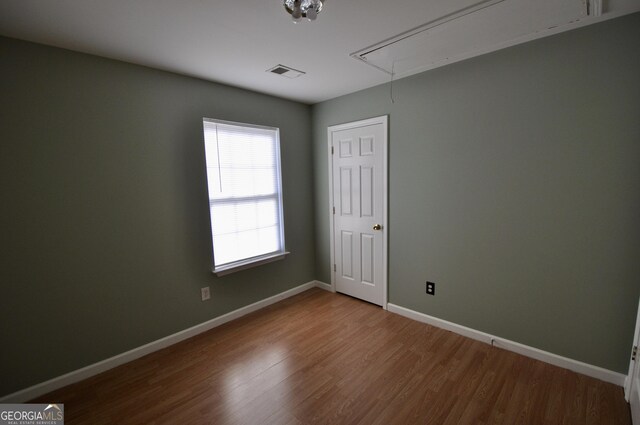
(319, 212)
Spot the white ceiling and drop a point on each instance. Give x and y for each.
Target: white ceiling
(235, 42)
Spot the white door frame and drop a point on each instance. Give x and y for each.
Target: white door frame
(385, 207)
(628, 382)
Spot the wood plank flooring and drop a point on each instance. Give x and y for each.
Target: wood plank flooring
(323, 358)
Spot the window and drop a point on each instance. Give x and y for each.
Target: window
(245, 194)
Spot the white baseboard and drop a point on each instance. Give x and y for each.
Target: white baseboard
(104, 365)
(534, 353)
(325, 286)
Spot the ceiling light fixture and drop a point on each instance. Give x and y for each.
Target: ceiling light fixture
(299, 9)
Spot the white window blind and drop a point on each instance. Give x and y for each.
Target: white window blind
(245, 195)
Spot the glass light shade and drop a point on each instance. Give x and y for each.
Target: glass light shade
(305, 8)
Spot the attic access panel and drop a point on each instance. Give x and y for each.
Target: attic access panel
(481, 27)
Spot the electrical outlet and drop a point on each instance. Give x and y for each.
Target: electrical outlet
(205, 293)
(431, 288)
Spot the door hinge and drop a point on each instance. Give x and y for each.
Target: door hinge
(331, 150)
(334, 210)
(634, 353)
(334, 268)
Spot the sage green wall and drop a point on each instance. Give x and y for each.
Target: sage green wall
(514, 185)
(105, 230)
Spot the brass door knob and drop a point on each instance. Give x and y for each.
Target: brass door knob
(377, 227)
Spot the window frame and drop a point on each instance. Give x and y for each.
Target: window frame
(254, 261)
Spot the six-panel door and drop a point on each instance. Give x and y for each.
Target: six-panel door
(358, 200)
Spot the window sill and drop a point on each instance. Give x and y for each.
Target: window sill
(247, 264)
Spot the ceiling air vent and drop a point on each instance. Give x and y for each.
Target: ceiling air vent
(286, 71)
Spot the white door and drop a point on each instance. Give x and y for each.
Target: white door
(633, 387)
(359, 206)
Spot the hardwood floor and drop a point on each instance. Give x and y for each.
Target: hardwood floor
(320, 358)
